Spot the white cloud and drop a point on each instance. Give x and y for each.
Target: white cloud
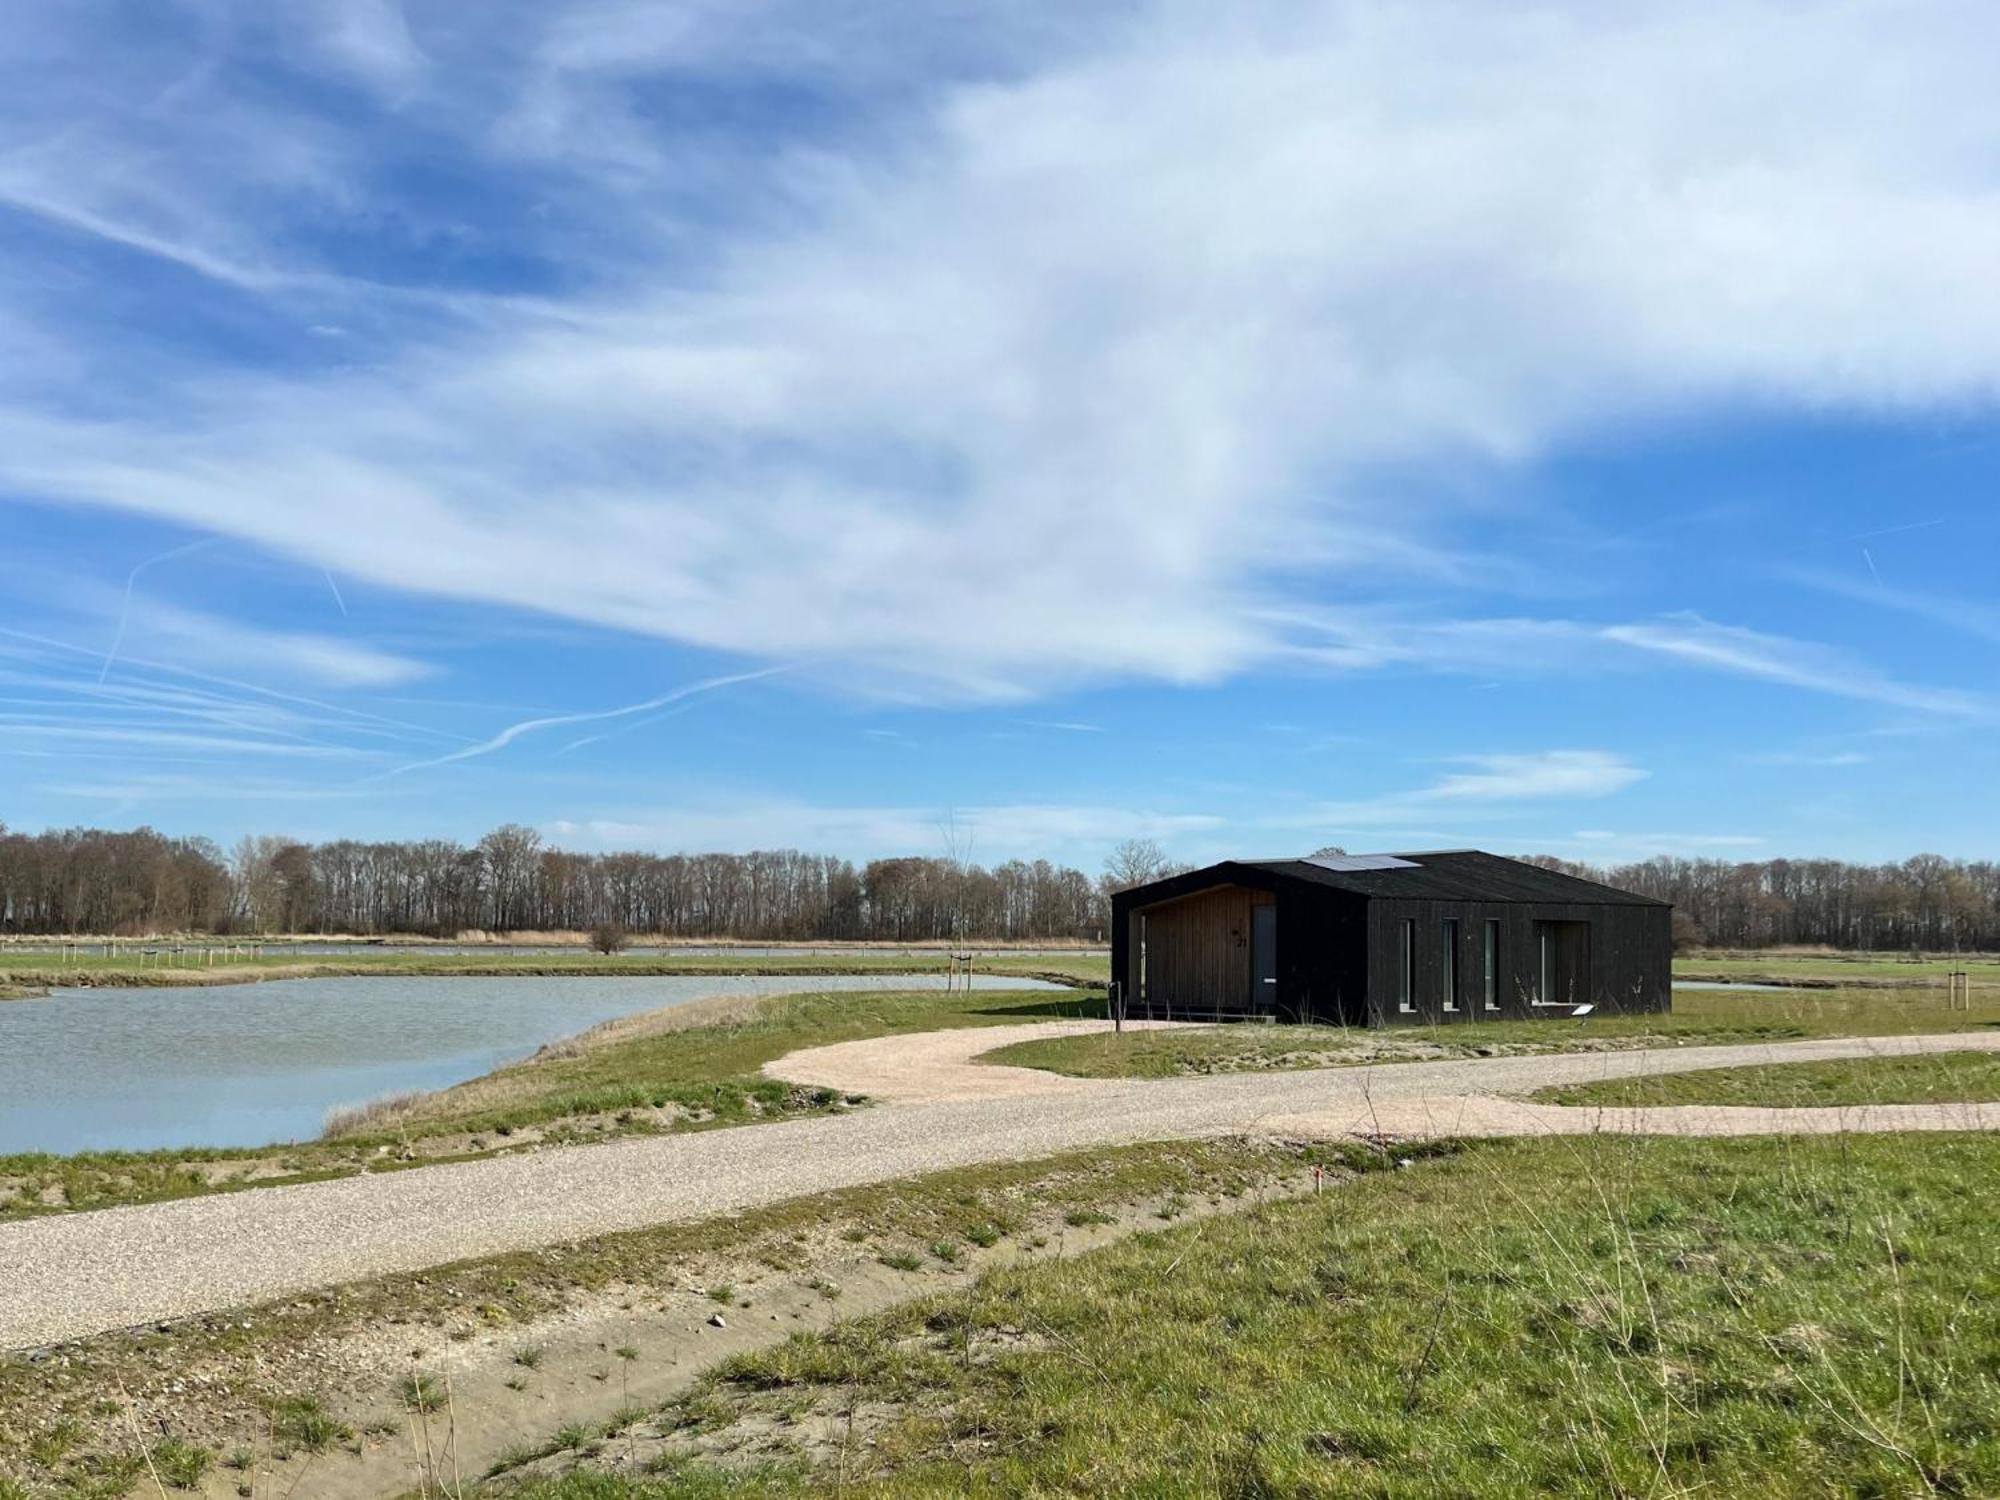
(1604, 846)
(1979, 620)
(1086, 367)
(1493, 785)
(1800, 664)
(985, 834)
(1553, 773)
(187, 637)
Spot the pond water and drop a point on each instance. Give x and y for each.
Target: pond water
(1731, 984)
(247, 1064)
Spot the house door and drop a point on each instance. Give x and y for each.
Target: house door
(1264, 958)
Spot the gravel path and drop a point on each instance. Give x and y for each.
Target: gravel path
(69, 1276)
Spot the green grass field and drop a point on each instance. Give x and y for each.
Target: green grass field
(1698, 1016)
(1942, 1078)
(1837, 968)
(680, 1076)
(1573, 1318)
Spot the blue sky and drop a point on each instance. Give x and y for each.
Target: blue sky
(1006, 430)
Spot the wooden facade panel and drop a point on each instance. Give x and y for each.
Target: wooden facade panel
(1196, 952)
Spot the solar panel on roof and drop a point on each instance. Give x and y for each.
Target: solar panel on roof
(1349, 863)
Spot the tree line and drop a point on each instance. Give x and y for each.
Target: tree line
(1927, 902)
(87, 880)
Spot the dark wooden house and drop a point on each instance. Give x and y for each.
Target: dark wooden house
(1381, 939)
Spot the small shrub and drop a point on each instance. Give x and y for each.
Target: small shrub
(1079, 1218)
(985, 1236)
(304, 1420)
(49, 1446)
(624, 1419)
(901, 1260)
(421, 1392)
(609, 938)
(946, 1251)
(725, 1294)
(180, 1464)
(528, 1357)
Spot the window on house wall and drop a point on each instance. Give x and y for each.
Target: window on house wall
(1562, 962)
(1448, 970)
(1489, 967)
(1406, 984)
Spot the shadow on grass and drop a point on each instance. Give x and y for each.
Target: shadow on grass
(1082, 1007)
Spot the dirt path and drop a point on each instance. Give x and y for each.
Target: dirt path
(67, 1277)
(938, 1065)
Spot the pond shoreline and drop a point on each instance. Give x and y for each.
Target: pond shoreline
(26, 982)
(246, 1065)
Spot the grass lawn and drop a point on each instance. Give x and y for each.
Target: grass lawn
(1577, 1318)
(688, 1067)
(1943, 1078)
(1698, 1016)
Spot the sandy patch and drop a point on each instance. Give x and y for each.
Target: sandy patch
(933, 1066)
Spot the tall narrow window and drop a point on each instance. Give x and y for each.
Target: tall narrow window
(1406, 981)
(1545, 963)
(1448, 970)
(1489, 967)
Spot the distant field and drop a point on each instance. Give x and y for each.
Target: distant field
(40, 966)
(1843, 968)
(24, 967)
(1942, 1078)
(1577, 1318)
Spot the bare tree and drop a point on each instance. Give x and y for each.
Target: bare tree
(1135, 862)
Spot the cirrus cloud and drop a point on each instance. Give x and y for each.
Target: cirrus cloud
(1073, 365)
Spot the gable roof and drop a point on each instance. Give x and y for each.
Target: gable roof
(1438, 875)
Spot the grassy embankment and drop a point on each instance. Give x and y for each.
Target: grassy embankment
(527, 1338)
(1698, 1016)
(685, 1068)
(1940, 1078)
(1576, 1318)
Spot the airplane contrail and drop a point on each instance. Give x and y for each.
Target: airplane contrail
(1869, 536)
(125, 606)
(513, 732)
